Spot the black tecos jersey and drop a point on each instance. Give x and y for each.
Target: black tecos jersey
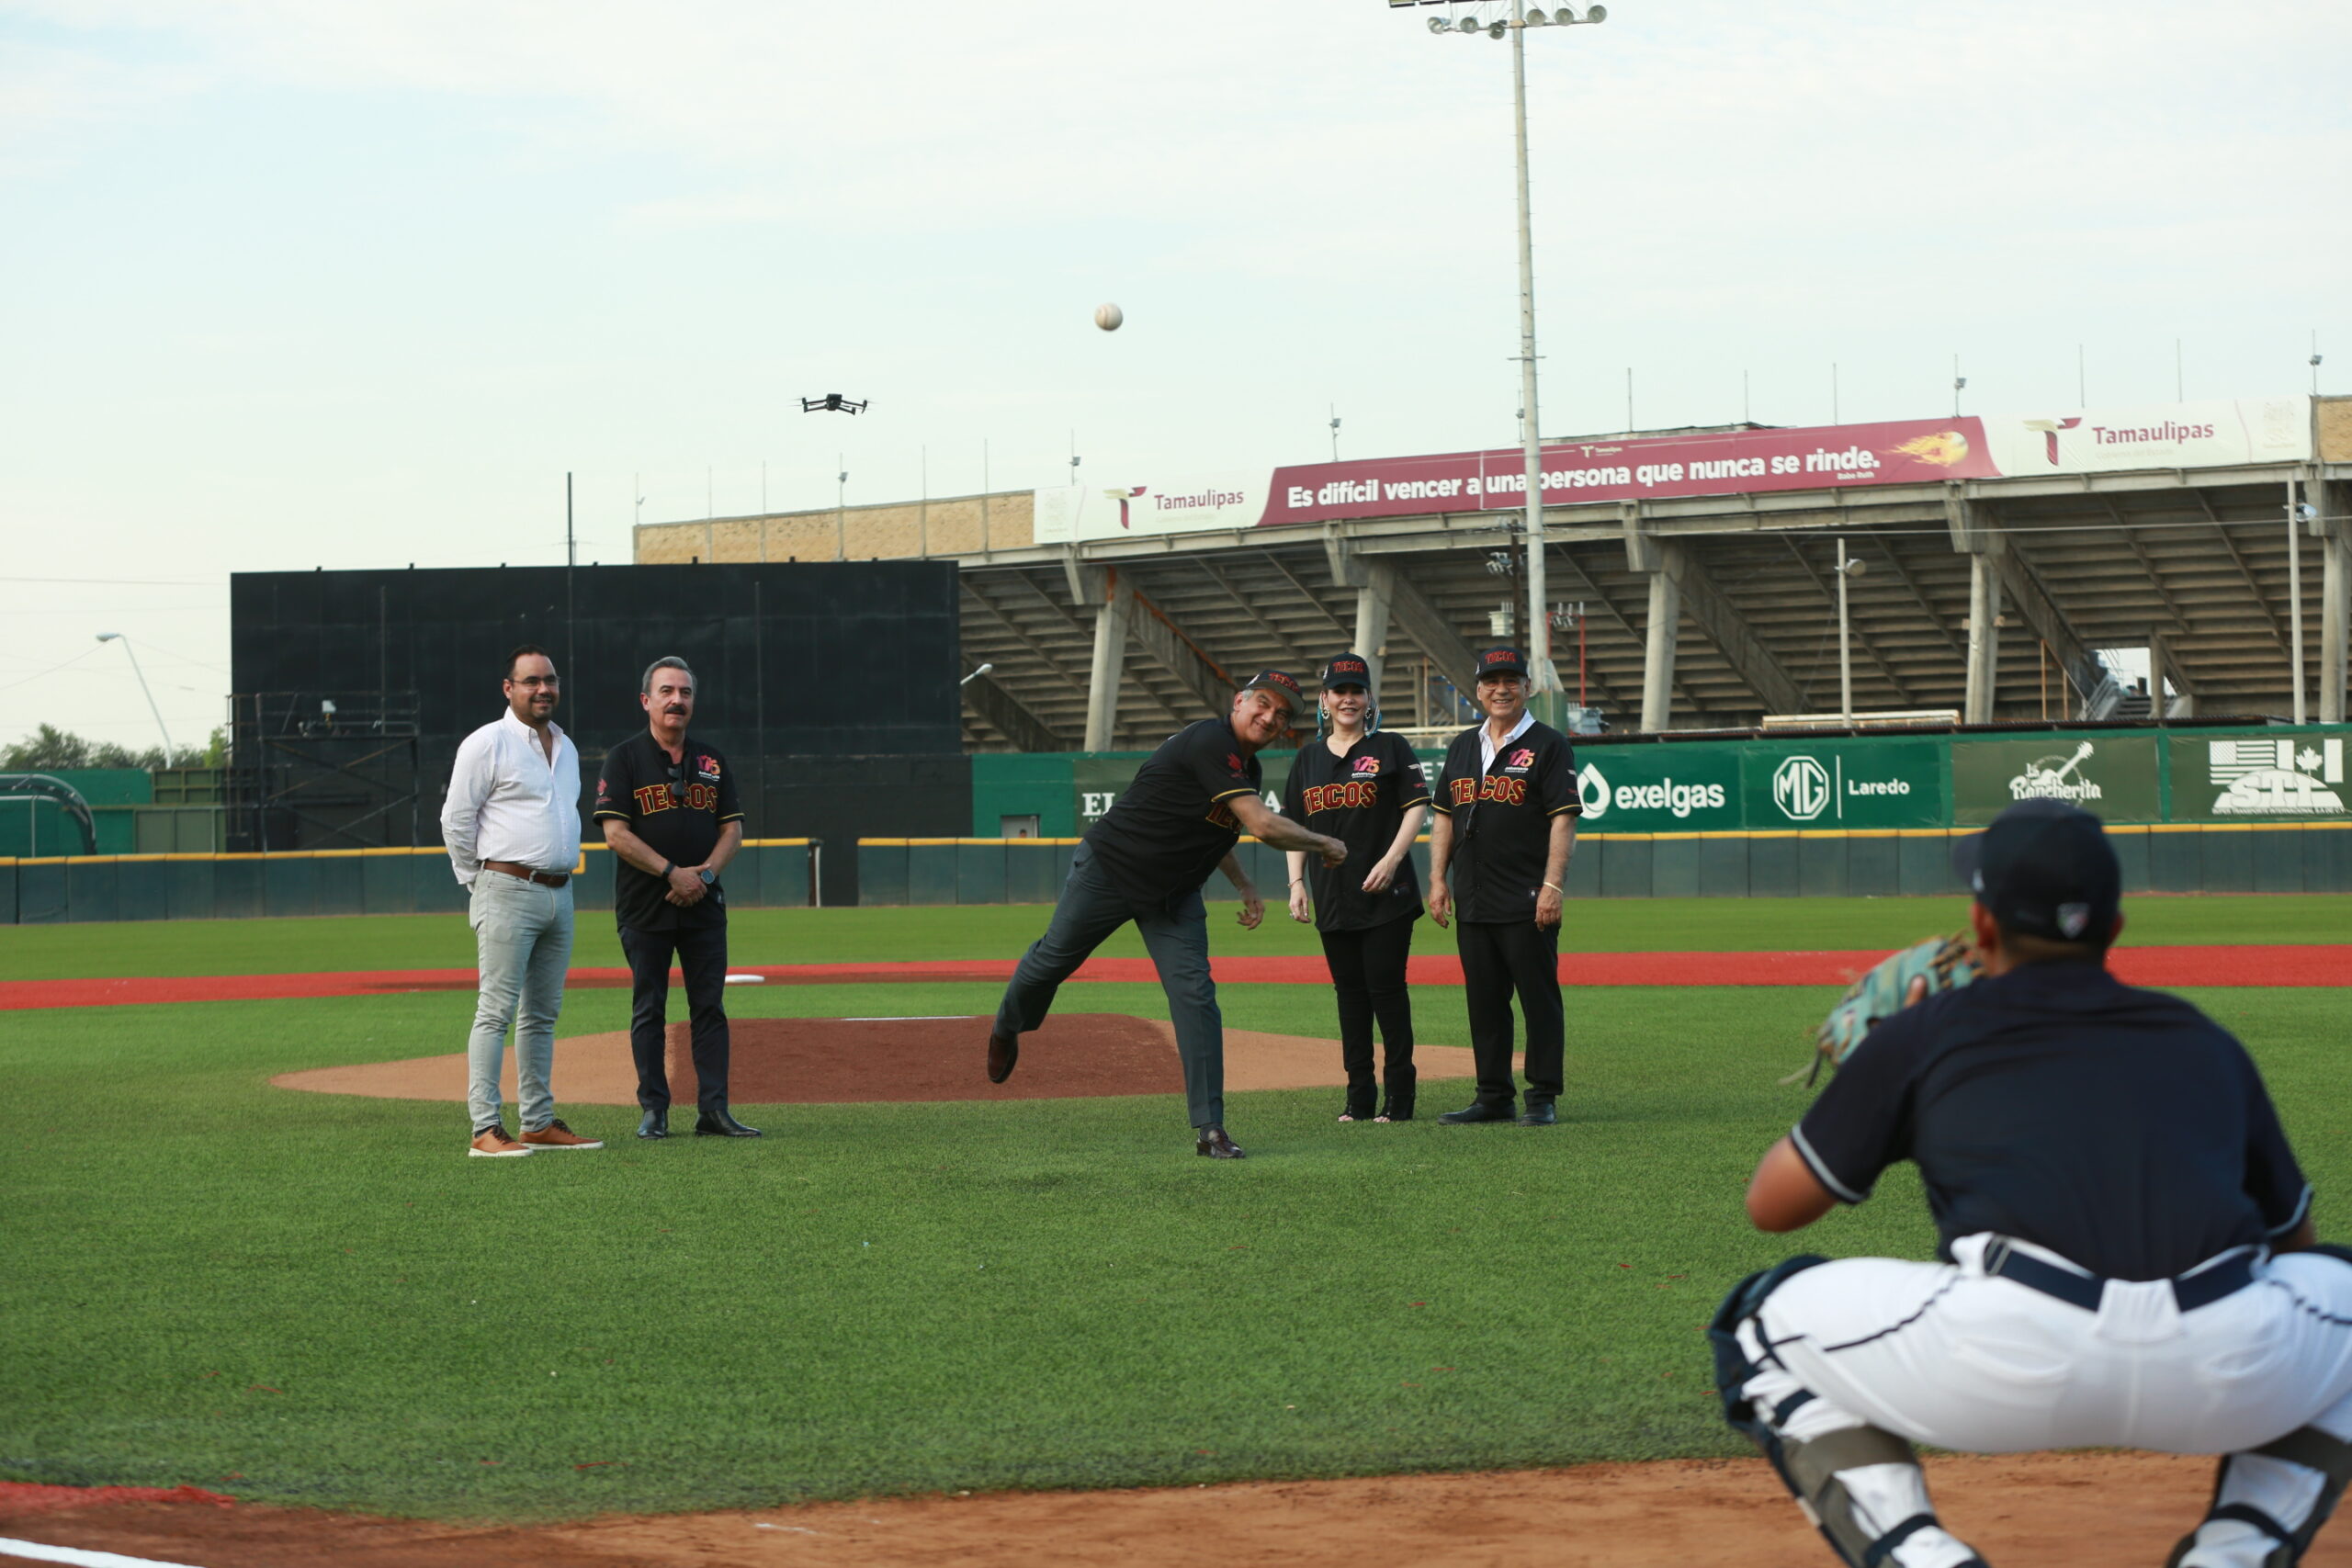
(677, 809)
(1359, 799)
(1171, 827)
(1502, 818)
(2120, 1128)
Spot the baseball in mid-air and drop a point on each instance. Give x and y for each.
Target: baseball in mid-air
(1108, 317)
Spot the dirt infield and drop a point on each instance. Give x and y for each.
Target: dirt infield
(834, 1061)
(2309, 963)
(2082, 1510)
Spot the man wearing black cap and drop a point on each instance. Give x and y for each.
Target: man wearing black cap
(2126, 1250)
(1146, 860)
(1505, 825)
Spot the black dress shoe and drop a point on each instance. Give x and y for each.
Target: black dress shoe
(654, 1125)
(1210, 1141)
(1539, 1113)
(719, 1124)
(1004, 1050)
(1478, 1111)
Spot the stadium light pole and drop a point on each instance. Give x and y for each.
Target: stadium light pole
(1546, 679)
(117, 636)
(1845, 567)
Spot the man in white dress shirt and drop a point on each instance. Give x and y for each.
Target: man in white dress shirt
(512, 823)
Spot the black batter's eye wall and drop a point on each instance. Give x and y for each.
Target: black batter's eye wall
(835, 684)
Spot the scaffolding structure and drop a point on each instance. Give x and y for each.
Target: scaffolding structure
(322, 771)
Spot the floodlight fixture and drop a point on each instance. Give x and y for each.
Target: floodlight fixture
(1522, 14)
(975, 674)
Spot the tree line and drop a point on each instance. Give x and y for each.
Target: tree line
(51, 750)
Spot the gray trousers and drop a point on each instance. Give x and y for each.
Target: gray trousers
(1176, 932)
(523, 942)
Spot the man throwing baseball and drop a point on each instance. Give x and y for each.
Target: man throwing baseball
(1146, 860)
(2126, 1254)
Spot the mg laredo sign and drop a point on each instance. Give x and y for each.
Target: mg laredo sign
(1801, 789)
(1862, 783)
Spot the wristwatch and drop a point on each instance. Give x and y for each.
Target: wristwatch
(707, 875)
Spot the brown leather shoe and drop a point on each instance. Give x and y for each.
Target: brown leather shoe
(1004, 1051)
(556, 1136)
(1210, 1141)
(491, 1142)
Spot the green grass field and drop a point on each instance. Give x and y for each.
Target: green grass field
(316, 1299)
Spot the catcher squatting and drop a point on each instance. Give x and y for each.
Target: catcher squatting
(2127, 1253)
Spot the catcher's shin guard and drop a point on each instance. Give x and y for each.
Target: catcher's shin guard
(1760, 1399)
(1810, 1472)
(2306, 1445)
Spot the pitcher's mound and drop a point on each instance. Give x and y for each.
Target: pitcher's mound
(828, 1061)
(820, 1061)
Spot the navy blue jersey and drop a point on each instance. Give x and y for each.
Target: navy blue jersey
(2118, 1127)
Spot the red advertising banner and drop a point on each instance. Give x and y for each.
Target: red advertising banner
(1728, 462)
(1732, 462)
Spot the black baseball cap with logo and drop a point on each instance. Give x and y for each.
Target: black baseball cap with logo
(1279, 681)
(1347, 670)
(2045, 868)
(1502, 661)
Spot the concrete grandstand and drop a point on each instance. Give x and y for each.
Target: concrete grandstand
(2001, 556)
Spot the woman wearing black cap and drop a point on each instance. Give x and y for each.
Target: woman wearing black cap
(1365, 789)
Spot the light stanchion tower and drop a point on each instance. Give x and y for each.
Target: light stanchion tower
(117, 636)
(1514, 21)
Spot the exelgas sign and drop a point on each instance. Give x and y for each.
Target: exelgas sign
(1676, 799)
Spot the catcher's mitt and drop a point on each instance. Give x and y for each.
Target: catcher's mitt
(1941, 963)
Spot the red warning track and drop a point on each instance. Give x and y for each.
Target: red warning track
(2308, 964)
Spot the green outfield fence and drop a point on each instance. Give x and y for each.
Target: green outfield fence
(2203, 807)
(2182, 857)
(765, 874)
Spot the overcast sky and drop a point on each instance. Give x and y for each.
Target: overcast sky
(285, 284)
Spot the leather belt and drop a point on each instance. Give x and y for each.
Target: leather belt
(2202, 1288)
(512, 868)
